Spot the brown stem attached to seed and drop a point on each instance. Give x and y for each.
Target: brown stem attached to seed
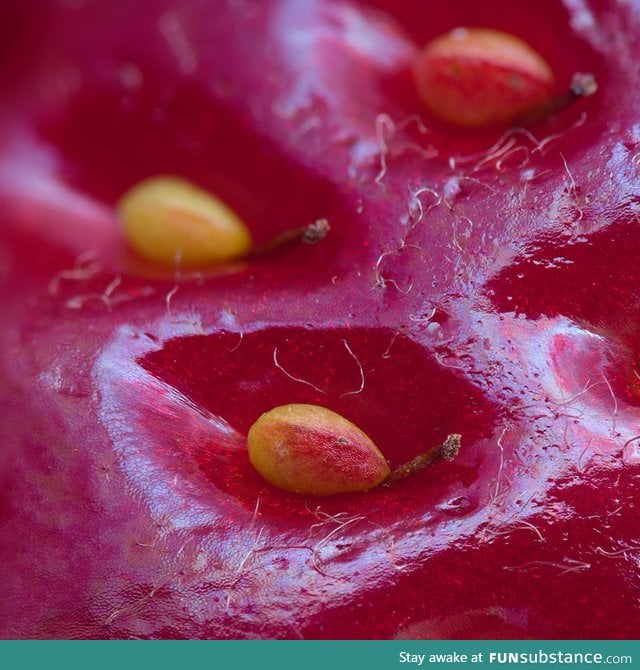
(448, 450)
(311, 234)
(583, 85)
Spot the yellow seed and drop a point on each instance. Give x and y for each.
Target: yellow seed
(311, 450)
(168, 220)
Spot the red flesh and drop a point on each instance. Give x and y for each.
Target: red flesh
(129, 508)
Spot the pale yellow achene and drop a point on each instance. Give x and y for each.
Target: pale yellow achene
(311, 450)
(168, 220)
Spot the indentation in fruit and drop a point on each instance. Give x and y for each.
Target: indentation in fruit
(311, 450)
(351, 371)
(170, 221)
(481, 77)
(197, 138)
(590, 279)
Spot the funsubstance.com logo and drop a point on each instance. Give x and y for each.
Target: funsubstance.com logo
(556, 658)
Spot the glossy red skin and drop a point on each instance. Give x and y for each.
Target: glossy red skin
(129, 509)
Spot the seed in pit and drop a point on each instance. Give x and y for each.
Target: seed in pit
(168, 220)
(311, 450)
(481, 77)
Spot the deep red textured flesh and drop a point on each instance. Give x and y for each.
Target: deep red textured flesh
(473, 282)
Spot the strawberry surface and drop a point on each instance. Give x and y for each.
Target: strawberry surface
(480, 282)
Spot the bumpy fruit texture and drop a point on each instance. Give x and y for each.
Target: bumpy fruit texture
(481, 77)
(311, 450)
(478, 282)
(169, 221)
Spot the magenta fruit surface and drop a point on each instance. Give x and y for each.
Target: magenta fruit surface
(475, 282)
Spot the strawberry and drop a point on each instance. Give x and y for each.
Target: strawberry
(465, 281)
